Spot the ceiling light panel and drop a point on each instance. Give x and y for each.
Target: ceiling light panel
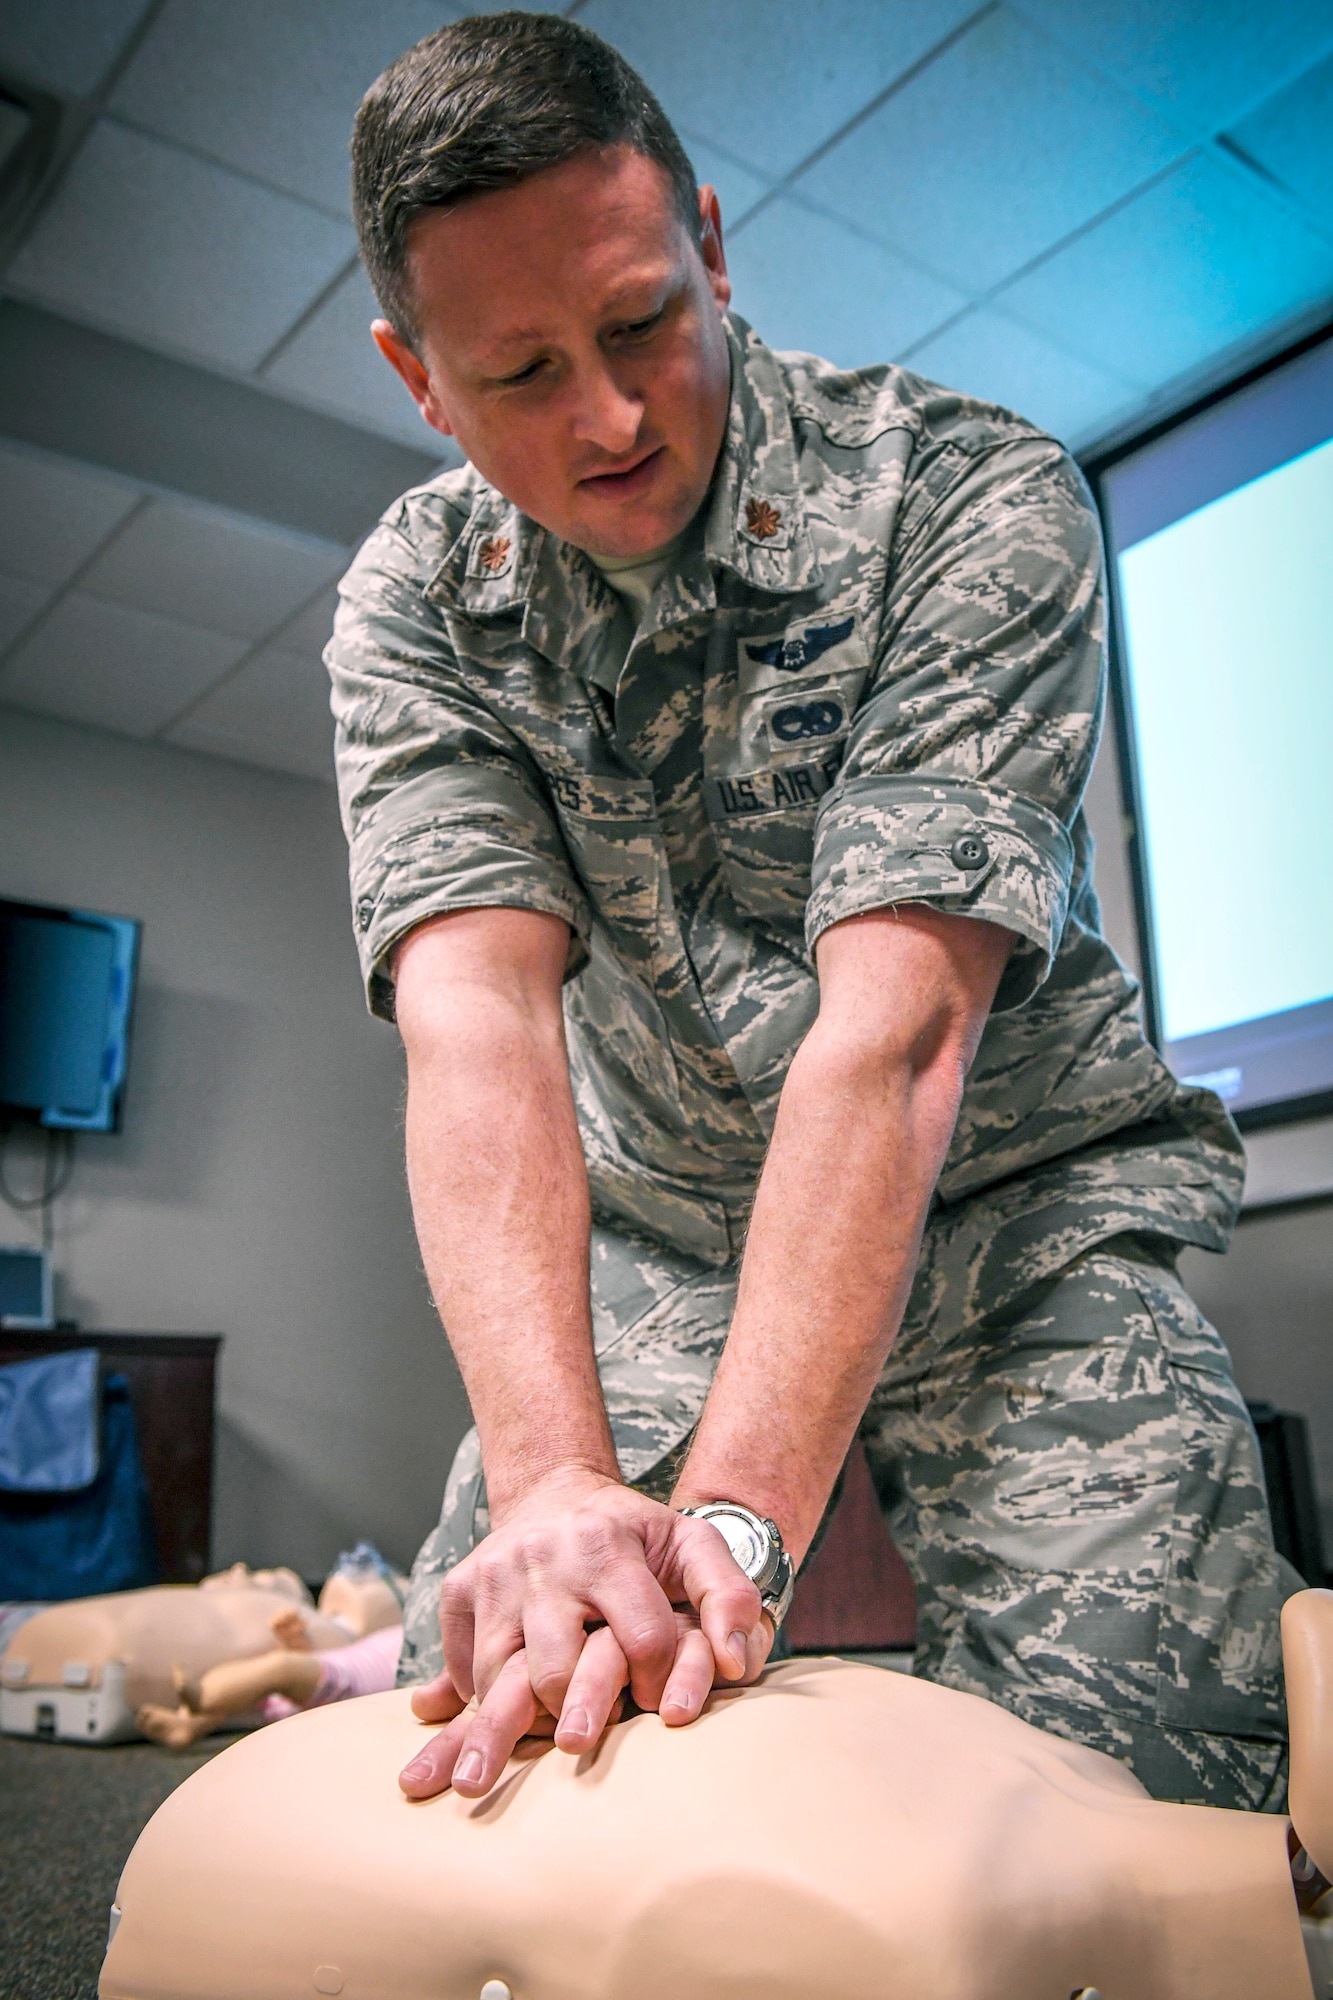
(66, 46)
(104, 664)
(771, 85)
(1204, 259)
(56, 515)
(1011, 103)
(856, 302)
(211, 569)
(269, 87)
(273, 711)
(333, 363)
(1203, 66)
(152, 242)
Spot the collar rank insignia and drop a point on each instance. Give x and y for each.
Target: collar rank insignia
(789, 656)
(493, 555)
(762, 520)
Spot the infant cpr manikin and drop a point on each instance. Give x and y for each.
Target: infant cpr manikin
(81, 1671)
(835, 1831)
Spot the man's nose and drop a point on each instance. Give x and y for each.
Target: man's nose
(605, 413)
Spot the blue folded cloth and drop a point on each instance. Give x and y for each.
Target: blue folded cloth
(50, 1423)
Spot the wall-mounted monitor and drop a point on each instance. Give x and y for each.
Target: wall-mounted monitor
(1220, 534)
(66, 996)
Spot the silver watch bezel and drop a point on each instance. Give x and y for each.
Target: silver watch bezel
(775, 1576)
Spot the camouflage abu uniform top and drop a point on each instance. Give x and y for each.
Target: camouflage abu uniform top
(874, 674)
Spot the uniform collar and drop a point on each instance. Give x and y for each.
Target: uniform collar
(757, 524)
(755, 521)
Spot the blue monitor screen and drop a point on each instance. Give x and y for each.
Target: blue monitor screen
(1222, 541)
(66, 992)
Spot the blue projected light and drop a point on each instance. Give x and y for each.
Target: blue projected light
(1221, 530)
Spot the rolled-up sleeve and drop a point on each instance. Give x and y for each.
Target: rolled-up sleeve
(968, 756)
(442, 806)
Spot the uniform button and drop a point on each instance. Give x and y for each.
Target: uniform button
(969, 851)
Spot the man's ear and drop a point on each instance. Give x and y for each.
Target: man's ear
(410, 370)
(710, 247)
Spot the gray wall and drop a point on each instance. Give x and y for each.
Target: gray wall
(1271, 1295)
(257, 1189)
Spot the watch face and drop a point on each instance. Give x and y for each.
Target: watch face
(746, 1544)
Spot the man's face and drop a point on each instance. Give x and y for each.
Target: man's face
(572, 341)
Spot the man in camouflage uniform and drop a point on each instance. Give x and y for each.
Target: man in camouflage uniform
(864, 682)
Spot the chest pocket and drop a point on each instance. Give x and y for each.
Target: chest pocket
(610, 829)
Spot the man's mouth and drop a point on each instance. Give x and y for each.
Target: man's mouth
(622, 482)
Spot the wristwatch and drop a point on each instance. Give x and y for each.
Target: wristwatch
(757, 1547)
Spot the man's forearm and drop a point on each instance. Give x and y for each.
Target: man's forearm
(863, 1127)
(828, 1266)
(500, 1196)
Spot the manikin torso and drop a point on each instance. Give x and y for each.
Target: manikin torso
(835, 1831)
(173, 1629)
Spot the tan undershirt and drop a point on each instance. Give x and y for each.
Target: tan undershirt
(633, 579)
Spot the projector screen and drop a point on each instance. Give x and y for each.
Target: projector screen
(1221, 546)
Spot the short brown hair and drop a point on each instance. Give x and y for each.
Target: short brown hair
(485, 103)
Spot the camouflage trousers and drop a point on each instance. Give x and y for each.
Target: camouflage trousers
(1071, 1476)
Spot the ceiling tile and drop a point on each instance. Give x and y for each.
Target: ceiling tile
(855, 303)
(310, 631)
(155, 243)
(737, 188)
(772, 84)
(1037, 146)
(102, 663)
(273, 711)
(20, 601)
(66, 46)
(206, 568)
(333, 363)
(992, 357)
(269, 87)
(1202, 64)
(56, 514)
(1292, 136)
(1204, 259)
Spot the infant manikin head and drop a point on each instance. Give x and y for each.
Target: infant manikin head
(835, 1831)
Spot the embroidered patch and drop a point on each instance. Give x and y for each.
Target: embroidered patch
(762, 520)
(772, 791)
(493, 555)
(804, 719)
(792, 656)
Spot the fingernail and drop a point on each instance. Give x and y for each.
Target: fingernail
(682, 1704)
(576, 1723)
(736, 1645)
(418, 1768)
(468, 1768)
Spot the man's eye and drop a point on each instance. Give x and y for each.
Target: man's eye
(527, 374)
(638, 327)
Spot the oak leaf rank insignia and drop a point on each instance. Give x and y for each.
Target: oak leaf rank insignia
(762, 520)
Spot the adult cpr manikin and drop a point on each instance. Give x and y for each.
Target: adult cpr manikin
(835, 1831)
(81, 1671)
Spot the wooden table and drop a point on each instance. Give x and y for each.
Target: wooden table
(171, 1378)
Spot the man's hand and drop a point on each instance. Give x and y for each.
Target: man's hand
(670, 1610)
